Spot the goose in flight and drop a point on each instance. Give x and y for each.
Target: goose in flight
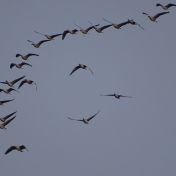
(85, 31)
(8, 91)
(3, 125)
(154, 18)
(85, 120)
(83, 67)
(2, 102)
(74, 31)
(37, 45)
(27, 81)
(25, 57)
(165, 7)
(19, 148)
(3, 119)
(20, 65)
(49, 37)
(118, 96)
(118, 26)
(11, 83)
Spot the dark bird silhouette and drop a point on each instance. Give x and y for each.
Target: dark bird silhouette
(154, 18)
(165, 7)
(4, 124)
(8, 91)
(37, 45)
(27, 81)
(83, 67)
(118, 26)
(100, 29)
(11, 83)
(118, 96)
(25, 57)
(85, 31)
(19, 148)
(49, 37)
(84, 120)
(3, 119)
(2, 102)
(74, 31)
(20, 65)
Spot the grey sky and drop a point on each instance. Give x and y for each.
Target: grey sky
(134, 136)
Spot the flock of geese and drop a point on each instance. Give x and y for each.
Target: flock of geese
(4, 121)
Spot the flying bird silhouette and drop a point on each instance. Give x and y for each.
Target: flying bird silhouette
(85, 31)
(3, 119)
(49, 37)
(8, 91)
(4, 124)
(118, 96)
(25, 57)
(84, 120)
(2, 102)
(74, 31)
(27, 81)
(154, 18)
(37, 45)
(165, 7)
(11, 83)
(20, 65)
(85, 67)
(19, 148)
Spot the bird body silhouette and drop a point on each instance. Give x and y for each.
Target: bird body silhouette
(37, 45)
(85, 31)
(27, 81)
(25, 57)
(74, 31)
(85, 67)
(19, 148)
(49, 37)
(165, 7)
(118, 96)
(4, 124)
(20, 65)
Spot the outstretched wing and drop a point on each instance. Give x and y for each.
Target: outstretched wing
(6, 101)
(31, 54)
(55, 35)
(25, 63)
(42, 41)
(8, 121)
(106, 26)
(75, 68)
(12, 65)
(22, 82)
(91, 27)
(64, 34)
(10, 149)
(18, 79)
(108, 95)
(7, 116)
(170, 5)
(159, 14)
(88, 119)
(74, 119)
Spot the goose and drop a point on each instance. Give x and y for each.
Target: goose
(49, 37)
(154, 18)
(85, 31)
(8, 91)
(20, 65)
(28, 81)
(74, 31)
(118, 96)
(3, 119)
(2, 102)
(165, 7)
(85, 120)
(118, 26)
(3, 125)
(37, 45)
(19, 148)
(25, 57)
(100, 30)
(11, 83)
(81, 66)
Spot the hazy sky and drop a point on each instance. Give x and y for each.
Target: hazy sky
(133, 136)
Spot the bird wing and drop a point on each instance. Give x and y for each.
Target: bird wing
(7, 116)
(108, 95)
(31, 54)
(22, 82)
(75, 68)
(1, 90)
(8, 121)
(88, 119)
(55, 35)
(170, 5)
(159, 14)
(122, 24)
(5, 101)
(74, 119)
(106, 26)
(42, 41)
(18, 79)
(11, 89)
(91, 27)
(18, 55)
(12, 65)
(10, 149)
(25, 63)
(125, 96)
(65, 33)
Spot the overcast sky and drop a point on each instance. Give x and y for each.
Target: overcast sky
(131, 136)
